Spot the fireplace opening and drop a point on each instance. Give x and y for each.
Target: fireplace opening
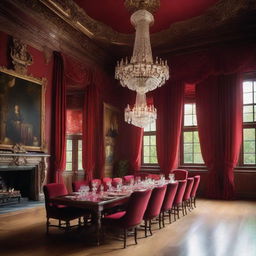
(21, 179)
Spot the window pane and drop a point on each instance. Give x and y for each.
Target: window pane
(152, 151)
(69, 144)
(153, 126)
(196, 137)
(188, 120)
(187, 137)
(146, 150)
(146, 140)
(153, 160)
(188, 148)
(249, 158)
(248, 117)
(188, 109)
(80, 165)
(80, 143)
(69, 166)
(198, 159)
(255, 110)
(153, 140)
(197, 148)
(249, 147)
(248, 98)
(69, 156)
(146, 159)
(188, 158)
(249, 134)
(247, 86)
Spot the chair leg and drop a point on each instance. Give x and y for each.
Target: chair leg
(146, 226)
(159, 220)
(135, 235)
(195, 202)
(178, 210)
(125, 234)
(163, 219)
(150, 231)
(170, 216)
(185, 207)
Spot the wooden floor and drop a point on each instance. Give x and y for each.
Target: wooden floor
(214, 228)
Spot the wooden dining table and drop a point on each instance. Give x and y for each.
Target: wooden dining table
(96, 203)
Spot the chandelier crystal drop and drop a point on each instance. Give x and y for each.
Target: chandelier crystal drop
(140, 114)
(141, 73)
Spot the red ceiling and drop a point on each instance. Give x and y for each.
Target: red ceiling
(114, 14)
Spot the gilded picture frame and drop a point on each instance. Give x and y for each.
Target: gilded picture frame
(22, 111)
(110, 132)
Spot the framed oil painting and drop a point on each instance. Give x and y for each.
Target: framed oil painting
(22, 111)
(111, 131)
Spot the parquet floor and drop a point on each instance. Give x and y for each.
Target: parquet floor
(214, 228)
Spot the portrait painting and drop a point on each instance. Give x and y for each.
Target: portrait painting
(21, 111)
(111, 131)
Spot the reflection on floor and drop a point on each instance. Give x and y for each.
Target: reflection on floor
(15, 206)
(214, 228)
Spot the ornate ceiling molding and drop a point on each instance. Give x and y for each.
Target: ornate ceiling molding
(135, 5)
(39, 27)
(222, 12)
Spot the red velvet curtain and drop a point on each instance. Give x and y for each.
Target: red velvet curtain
(93, 144)
(169, 103)
(59, 120)
(219, 113)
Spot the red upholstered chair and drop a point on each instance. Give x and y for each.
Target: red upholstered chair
(168, 200)
(180, 174)
(128, 178)
(194, 190)
(132, 216)
(59, 212)
(177, 204)
(76, 185)
(187, 194)
(116, 181)
(154, 207)
(105, 181)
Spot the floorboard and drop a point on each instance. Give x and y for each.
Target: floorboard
(214, 228)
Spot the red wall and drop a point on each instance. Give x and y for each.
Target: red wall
(39, 69)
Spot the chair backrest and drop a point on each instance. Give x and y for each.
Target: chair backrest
(52, 190)
(180, 191)
(76, 185)
(190, 182)
(116, 181)
(136, 208)
(169, 196)
(180, 174)
(155, 202)
(127, 179)
(195, 185)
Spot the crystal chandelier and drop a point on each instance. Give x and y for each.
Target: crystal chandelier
(141, 114)
(141, 73)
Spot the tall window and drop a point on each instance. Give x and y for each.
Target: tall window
(74, 140)
(191, 147)
(249, 122)
(74, 153)
(149, 155)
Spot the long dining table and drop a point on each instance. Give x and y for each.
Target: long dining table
(95, 202)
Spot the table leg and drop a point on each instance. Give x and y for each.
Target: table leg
(98, 225)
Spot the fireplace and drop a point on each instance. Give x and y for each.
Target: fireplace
(25, 172)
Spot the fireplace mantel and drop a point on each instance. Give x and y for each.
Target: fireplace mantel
(38, 161)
